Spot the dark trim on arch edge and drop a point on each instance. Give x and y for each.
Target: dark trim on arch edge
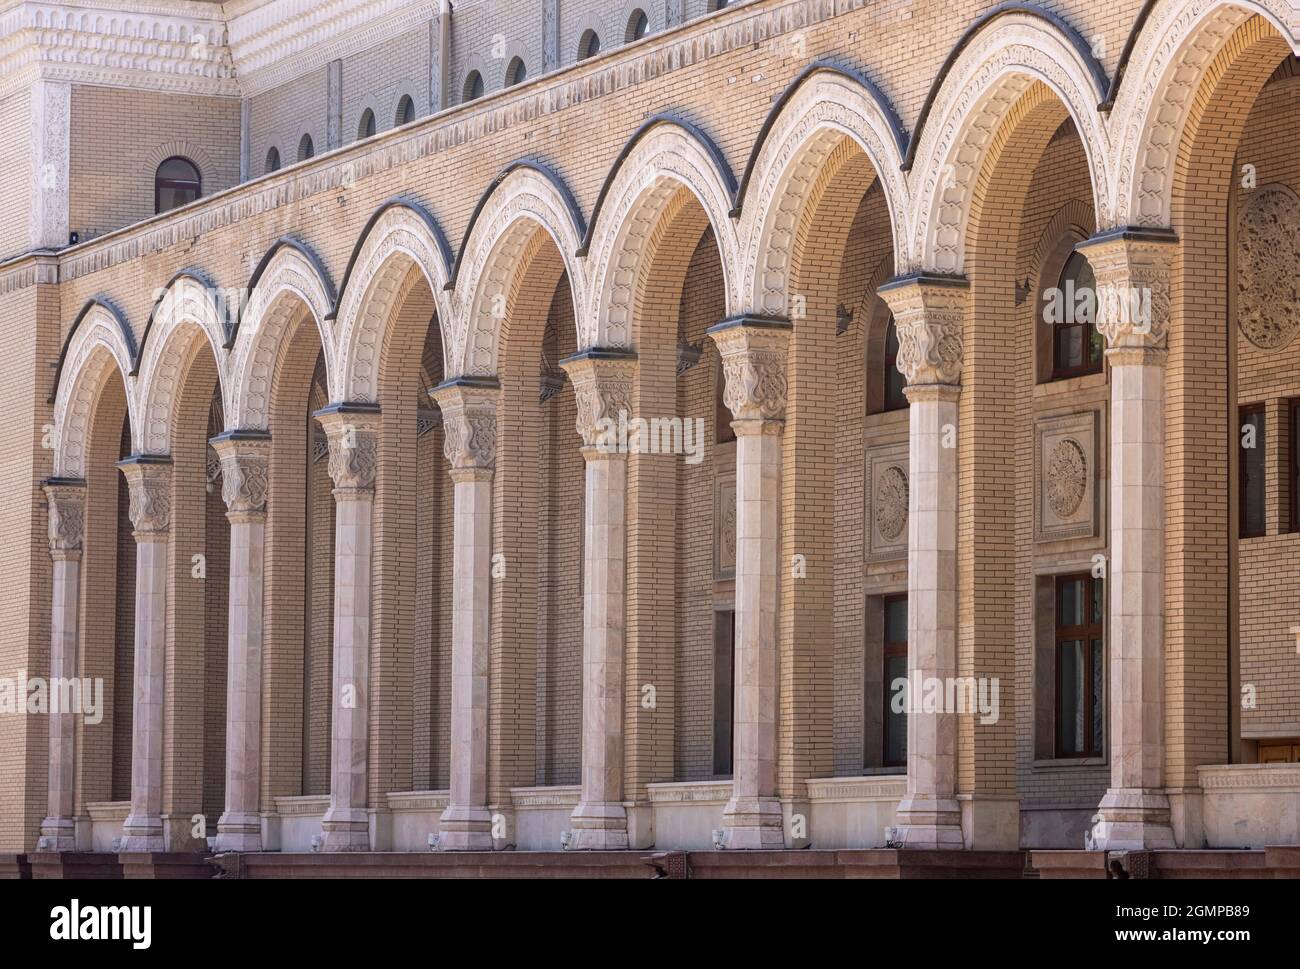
(131, 348)
(204, 280)
(1143, 15)
(396, 201)
(575, 213)
(1099, 79)
(307, 253)
(873, 92)
(693, 131)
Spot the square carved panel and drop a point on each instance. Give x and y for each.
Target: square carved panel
(724, 526)
(1065, 477)
(887, 485)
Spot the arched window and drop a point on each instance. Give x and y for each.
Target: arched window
(366, 129)
(175, 183)
(1072, 314)
(305, 148)
(895, 399)
(638, 26)
(405, 110)
(589, 45)
(516, 73)
(473, 86)
(717, 4)
(273, 159)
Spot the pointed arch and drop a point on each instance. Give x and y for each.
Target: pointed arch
(289, 281)
(1174, 49)
(1004, 55)
(819, 111)
(99, 343)
(187, 314)
(524, 199)
(664, 156)
(400, 236)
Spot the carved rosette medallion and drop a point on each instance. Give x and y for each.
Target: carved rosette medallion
(1066, 478)
(1268, 267)
(890, 503)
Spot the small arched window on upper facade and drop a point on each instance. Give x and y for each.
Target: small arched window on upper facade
(273, 159)
(717, 5)
(516, 73)
(473, 86)
(405, 110)
(589, 45)
(1071, 311)
(176, 182)
(894, 380)
(366, 129)
(638, 25)
(306, 148)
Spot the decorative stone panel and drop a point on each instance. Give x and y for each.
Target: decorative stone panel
(724, 526)
(1268, 267)
(1065, 477)
(887, 486)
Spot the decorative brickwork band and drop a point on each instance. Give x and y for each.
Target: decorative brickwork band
(753, 351)
(603, 384)
(67, 502)
(469, 409)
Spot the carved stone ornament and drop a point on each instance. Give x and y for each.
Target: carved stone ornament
(602, 388)
(469, 425)
(67, 516)
(754, 369)
(1268, 267)
(151, 496)
(929, 316)
(1067, 477)
(1133, 303)
(888, 492)
(353, 443)
(245, 466)
(890, 502)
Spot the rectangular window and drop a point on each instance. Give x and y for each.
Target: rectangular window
(724, 666)
(1250, 468)
(895, 661)
(1295, 465)
(1080, 621)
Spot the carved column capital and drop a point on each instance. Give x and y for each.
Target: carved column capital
(602, 386)
(929, 313)
(352, 431)
(1133, 268)
(469, 422)
(245, 463)
(754, 368)
(67, 501)
(149, 477)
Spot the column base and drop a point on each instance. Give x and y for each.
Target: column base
(753, 823)
(239, 832)
(143, 833)
(465, 829)
(599, 826)
(57, 834)
(1133, 819)
(930, 823)
(345, 829)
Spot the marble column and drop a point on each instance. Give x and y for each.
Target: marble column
(1133, 269)
(245, 459)
(753, 351)
(352, 432)
(929, 313)
(67, 500)
(150, 479)
(469, 418)
(602, 385)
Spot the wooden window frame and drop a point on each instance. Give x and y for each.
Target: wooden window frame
(1261, 445)
(890, 650)
(1087, 634)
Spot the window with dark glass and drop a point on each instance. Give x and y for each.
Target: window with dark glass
(405, 110)
(1250, 471)
(175, 183)
(306, 148)
(1080, 649)
(1295, 465)
(366, 129)
(516, 72)
(589, 45)
(895, 659)
(273, 160)
(638, 25)
(473, 86)
(1072, 313)
(724, 670)
(895, 399)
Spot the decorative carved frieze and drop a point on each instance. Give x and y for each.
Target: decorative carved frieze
(1065, 477)
(150, 481)
(353, 434)
(469, 422)
(1268, 266)
(753, 351)
(929, 313)
(67, 501)
(602, 386)
(724, 518)
(245, 464)
(1132, 269)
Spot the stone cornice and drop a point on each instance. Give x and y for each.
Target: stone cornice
(178, 47)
